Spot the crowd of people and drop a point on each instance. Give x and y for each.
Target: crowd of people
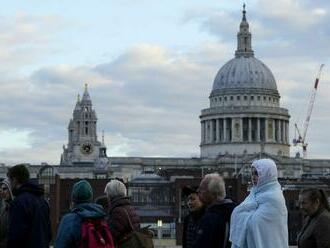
(214, 220)
(260, 221)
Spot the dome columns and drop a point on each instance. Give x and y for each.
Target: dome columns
(243, 132)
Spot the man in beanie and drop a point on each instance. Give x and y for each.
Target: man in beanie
(29, 222)
(69, 231)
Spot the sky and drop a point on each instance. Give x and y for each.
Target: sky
(150, 66)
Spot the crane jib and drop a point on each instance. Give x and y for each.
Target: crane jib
(316, 83)
(301, 138)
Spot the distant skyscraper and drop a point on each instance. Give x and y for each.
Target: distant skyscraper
(245, 116)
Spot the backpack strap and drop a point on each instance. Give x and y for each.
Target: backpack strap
(129, 219)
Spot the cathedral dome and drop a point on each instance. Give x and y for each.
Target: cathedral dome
(244, 116)
(244, 72)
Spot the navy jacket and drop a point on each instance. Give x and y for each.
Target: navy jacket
(29, 222)
(69, 231)
(213, 230)
(190, 227)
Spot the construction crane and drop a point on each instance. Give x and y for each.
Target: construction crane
(301, 140)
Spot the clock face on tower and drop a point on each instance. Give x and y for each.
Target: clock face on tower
(86, 148)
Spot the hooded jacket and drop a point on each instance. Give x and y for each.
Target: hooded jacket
(29, 223)
(119, 212)
(69, 230)
(213, 230)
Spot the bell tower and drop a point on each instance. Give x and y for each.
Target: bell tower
(83, 148)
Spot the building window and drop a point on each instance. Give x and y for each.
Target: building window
(221, 129)
(264, 98)
(245, 129)
(262, 129)
(225, 98)
(245, 98)
(270, 129)
(254, 129)
(258, 98)
(86, 127)
(231, 98)
(252, 97)
(220, 99)
(228, 129)
(214, 131)
(238, 98)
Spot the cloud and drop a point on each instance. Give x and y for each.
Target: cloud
(14, 139)
(25, 39)
(292, 14)
(148, 98)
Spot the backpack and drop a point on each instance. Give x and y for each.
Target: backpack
(95, 233)
(139, 238)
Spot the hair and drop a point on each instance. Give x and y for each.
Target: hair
(317, 194)
(215, 185)
(115, 188)
(20, 172)
(103, 201)
(7, 184)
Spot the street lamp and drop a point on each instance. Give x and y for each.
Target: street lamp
(159, 225)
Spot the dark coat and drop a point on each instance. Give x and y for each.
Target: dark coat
(190, 227)
(118, 220)
(213, 231)
(69, 230)
(315, 232)
(29, 223)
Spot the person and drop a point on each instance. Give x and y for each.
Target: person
(69, 233)
(191, 221)
(122, 215)
(261, 219)
(213, 229)
(29, 222)
(315, 232)
(7, 197)
(103, 201)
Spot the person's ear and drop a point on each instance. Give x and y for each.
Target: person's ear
(317, 203)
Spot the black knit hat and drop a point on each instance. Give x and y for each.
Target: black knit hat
(188, 190)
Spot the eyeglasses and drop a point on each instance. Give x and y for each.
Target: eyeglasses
(4, 189)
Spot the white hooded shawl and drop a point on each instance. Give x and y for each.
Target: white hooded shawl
(260, 221)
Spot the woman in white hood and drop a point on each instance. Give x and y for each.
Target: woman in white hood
(260, 221)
